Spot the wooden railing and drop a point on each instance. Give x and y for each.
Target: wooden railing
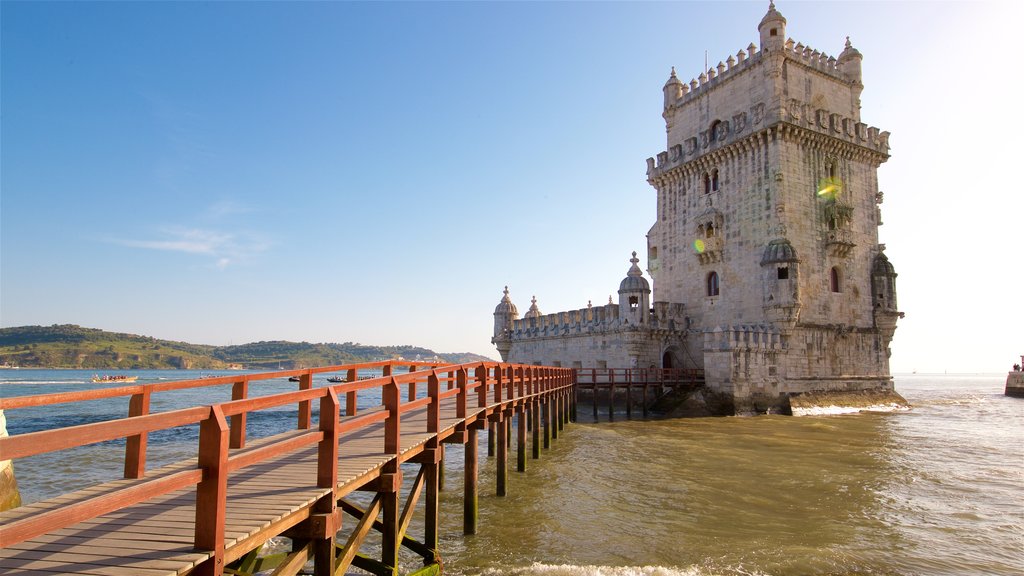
(474, 384)
(614, 380)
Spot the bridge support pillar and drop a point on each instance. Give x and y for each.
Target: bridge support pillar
(391, 482)
(469, 510)
(555, 416)
(502, 464)
(521, 440)
(431, 516)
(535, 420)
(546, 418)
(490, 438)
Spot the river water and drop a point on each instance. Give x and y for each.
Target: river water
(936, 490)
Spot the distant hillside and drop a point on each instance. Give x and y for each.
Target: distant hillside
(70, 346)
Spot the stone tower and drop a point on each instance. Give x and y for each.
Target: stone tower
(767, 227)
(766, 267)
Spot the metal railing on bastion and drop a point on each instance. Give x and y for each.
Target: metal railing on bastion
(248, 491)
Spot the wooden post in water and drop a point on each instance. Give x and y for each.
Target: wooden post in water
(547, 421)
(521, 439)
(502, 471)
(563, 409)
(554, 415)
(535, 419)
(490, 439)
(645, 400)
(469, 498)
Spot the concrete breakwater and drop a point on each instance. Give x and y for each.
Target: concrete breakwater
(1015, 384)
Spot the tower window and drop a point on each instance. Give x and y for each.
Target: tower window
(774, 32)
(783, 272)
(634, 302)
(713, 284)
(709, 231)
(833, 279)
(707, 183)
(714, 180)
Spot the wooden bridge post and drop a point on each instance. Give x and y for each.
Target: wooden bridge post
(554, 414)
(239, 391)
(535, 417)
(521, 439)
(644, 400)
(391, 476)
(351, 397)
(432, 467)
(135, 446)
(572, 399)
(502, 464)
(326, 521)
(305, 409)
(546, 418)
(469, 507)
(212, 492)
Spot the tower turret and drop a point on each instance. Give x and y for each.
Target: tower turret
(504, 313)
(673, 89)
(849, 62)
(634, 295)
(773, 30)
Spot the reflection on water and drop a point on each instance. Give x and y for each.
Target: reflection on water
(937, 490)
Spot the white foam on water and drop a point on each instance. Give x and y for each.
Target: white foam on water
(540, 569)
(836, 410)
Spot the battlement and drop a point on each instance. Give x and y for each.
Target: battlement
(818, 121)
(713, 77)
(813, 58)
(595, 319)
(744, 60)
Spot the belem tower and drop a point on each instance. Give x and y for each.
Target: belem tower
(765, 263)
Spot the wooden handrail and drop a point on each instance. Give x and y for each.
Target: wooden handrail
(506, 384)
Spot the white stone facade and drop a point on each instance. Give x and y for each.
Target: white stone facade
(765, 259)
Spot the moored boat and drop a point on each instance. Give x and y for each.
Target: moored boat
(114, 378)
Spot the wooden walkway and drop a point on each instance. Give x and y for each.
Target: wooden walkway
(214, 517)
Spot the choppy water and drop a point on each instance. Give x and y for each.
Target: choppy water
(936, 490)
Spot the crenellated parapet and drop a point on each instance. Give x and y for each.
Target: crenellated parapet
(817, 127)
(596, 320)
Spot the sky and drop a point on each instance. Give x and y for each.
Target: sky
(231, 172)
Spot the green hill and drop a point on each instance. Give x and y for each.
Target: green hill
(70, 346)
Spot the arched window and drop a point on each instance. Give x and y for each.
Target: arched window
(714, 180)
(707, 183)
(713, 284)
(830, 168)
(709, 231)
(833, 279)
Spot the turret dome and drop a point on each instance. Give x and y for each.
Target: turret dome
(534, 311)
(634, 280)
(882, 267)
(777, 251)
(506, 306)
(773, 16)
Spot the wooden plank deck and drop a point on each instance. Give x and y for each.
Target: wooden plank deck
(156, 537)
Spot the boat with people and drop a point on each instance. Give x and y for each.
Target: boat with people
(335, 379)
(107, 378)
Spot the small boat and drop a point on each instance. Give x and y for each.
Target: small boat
(116, 378)
(335, 379)
(294, 379)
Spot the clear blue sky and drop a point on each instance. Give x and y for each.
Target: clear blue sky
(227, 172)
